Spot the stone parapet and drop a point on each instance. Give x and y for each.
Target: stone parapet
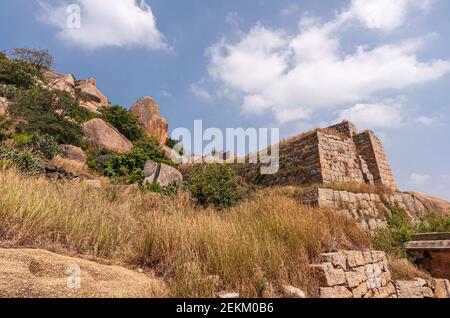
(356, 274)
(367, 209)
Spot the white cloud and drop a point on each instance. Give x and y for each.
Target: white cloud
(418, 179)
(198, 90)
(384, 14)
(428, 121)
(387, 114)
(106, 23)
(297, 75)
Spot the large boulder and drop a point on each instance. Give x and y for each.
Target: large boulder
(73, 153)
(92, 98)
(146, 111)
(3, 103)
(161, 173)
(62, 82)
(26, 273)
(103, 134)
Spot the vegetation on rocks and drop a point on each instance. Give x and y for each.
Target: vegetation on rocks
(124, 121)
(216, 184)
(128, 167)
(47, 112)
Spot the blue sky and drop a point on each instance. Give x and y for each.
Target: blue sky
(258, 63)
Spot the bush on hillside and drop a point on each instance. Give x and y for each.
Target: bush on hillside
(130, 165)
(45, 146)
(38, 110)
(172, 143)
(398, 232)
(435, 222)
(18, 73)
(22, 160)
(215, 184)
(124, 121)
(42, 59)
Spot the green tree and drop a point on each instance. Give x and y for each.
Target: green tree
(124, 121)
(38, 110)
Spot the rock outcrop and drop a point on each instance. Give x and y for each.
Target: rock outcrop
(147, 113)
(62, 82)
(3, 103)
(102, 134)
(73, 153)
(91, 97)
(161, 173)
(29, 273)
(370, 209)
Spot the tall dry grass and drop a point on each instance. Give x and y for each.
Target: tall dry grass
(254, 248)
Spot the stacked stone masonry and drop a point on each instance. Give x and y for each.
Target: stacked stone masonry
(337, 154)
(367, 209)
(355, 274)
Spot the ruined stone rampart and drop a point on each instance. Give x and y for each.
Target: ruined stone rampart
(337, 154)
(368, 209)
(355, 274)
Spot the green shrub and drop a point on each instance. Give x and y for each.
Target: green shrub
(23, 160)
(398, 232)
(98, 157)
(436, 222)
(154, 187)
(38, 110)
(171, 143)
(82, 115)
(45, 146)
(215, 184)
(18, 73)
(130, 164)
(124, 121)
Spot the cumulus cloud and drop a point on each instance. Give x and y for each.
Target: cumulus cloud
(105, 23)
(297, 75)
(388, 114)
(418, 179)
(384, 14)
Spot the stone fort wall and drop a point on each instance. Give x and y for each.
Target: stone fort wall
(337, 154)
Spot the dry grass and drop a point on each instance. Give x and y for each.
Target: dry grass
(402, 269)
(254, 248)
(71, 166)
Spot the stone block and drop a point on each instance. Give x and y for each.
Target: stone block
(354, 279)
(441, 288)
(328, 275)
(368, 257)
(360, 291)
(335, 292)
(339, 259)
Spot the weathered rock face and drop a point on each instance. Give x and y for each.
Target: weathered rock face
(370, 209)
(62, 82)
(102, 134)
(41, 274)
(162, 174)
(147, 113)
(92, 97)
(356, 274)
(73, 153)
(3, 103)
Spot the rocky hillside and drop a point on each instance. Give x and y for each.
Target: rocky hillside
(85, 182)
